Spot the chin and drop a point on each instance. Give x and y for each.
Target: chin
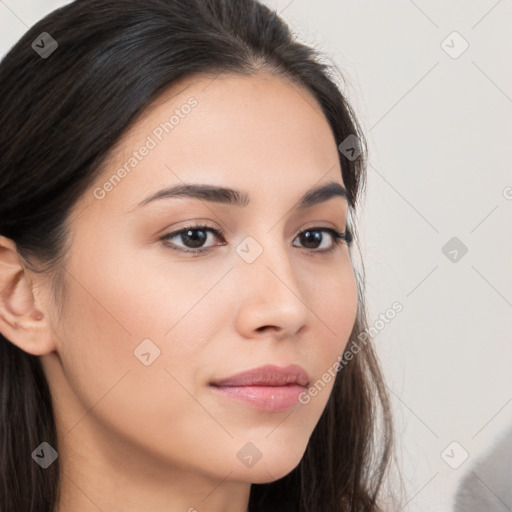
(273, 469)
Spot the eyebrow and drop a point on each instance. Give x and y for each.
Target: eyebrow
(240, 198)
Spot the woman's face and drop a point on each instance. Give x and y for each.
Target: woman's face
(146, 327)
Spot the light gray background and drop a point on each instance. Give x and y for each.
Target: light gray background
(440, 139)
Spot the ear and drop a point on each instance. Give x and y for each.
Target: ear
(22, 322)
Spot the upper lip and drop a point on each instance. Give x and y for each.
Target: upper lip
(268, 375)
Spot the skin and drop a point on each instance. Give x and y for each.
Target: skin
(135, 437)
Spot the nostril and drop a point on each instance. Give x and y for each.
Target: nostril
(259, 329)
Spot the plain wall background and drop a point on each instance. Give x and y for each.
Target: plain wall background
(440, 139)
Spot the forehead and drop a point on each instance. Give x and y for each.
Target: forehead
(259, 132)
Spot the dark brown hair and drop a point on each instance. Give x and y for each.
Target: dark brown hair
(61, 115)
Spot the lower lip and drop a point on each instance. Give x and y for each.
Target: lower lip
(266, 398)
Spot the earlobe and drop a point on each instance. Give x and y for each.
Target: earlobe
(21, 322)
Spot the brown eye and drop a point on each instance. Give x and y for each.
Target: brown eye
(193, 238)
(312, 238)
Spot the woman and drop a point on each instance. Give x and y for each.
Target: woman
(180, 312)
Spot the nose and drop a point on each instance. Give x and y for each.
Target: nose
(271, 295)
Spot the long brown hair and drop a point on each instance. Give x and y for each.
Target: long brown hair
(62, 113)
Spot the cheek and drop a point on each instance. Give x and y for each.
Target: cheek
(142, 404)
(335, 305)
(122, 306)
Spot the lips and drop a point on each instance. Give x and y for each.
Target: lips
(268, 388)
(268, 375)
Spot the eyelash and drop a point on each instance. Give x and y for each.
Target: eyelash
(338, 238)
